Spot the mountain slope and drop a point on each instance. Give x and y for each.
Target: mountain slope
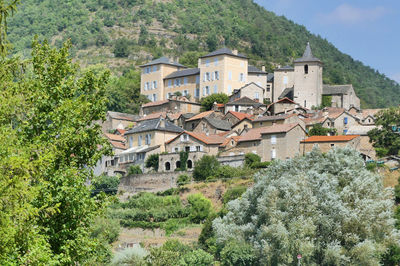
(137, 30)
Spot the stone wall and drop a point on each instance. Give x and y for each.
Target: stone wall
(234, 161)
(153, 182)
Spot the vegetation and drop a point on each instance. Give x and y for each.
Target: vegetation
(107, 184)
(386, 138)
(152, 161)
(302, 206)
(208, 102)
(134, 170)
(205, 167)
(183, 158)
(319, 130)
(183, 180)
(96, 28)
(200, 208)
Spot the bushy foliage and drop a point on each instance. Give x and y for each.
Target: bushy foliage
(107, 184)
(318, 130)
(327, 207)
(130, 256)
(183, 158)
(238, 254)
(250, 158)
(208, 102)
(183, 180)
(200, 207)
(233, 193)
(205, 167)
(384, 137)
(152, 161)
(196, 257)
(121, 48)
(168, 254)
(260, 165)
(135, 170)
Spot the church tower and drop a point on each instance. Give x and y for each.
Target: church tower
(308, 80)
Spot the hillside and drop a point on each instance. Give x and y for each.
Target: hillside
(138, 30)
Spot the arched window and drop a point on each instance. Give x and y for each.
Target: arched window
(178, 164)
(167, 166)
(306, 69)
(189, 164)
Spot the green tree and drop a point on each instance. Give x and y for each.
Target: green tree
(135, 170)
(196, 257)
(205, 167)
(183, 158)
(386, 137)
(152, 161)
(238, 254)
(208, 102)
(319, 130)
(307, 206)
(250, 159)
(121, 48)
(326, 101)
(108, 184)
(200, 207)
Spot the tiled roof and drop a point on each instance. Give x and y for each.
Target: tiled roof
(370, 112)
(210, 139)
(240, 115)
(341, 138)
(270, 77)
(307, 56)
(273, 117)
(224, 51)
(336, 89)
(227, 140)
(153, 116)
(155, 103)
(122, 116)
(245, 101)
(188, 115)
(162, 60)
(118, 145)
(183, 73)
(154, 124)
(255, 133)
(285, 68)
(115, 137)
(218, 123)
(174, 116)
(334, 112)
(201, 115)
(253, 69)
(121, 131)
(287, 93)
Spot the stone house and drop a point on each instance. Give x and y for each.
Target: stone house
(283, 79)
(339, 119)
(282, 106)
(251, 90)
(235, 117)
(172, 105)
(343, 96)
(325, 143)
(186, 82)
(242, 126)
(192, 122)
(210, 125)
(280, 141)
(367, 117)
(108, 164)
(117, 120)
(257, 76)
(366, 148)
(246, 105)
(266, 121)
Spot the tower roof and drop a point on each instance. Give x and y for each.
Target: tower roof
(307, 56)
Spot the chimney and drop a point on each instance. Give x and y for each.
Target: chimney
(263, 68)
(235, 52)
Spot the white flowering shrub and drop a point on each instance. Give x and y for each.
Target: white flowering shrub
(327, 207)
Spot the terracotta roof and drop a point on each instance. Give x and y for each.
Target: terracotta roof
(155, 103)
(114, 137)
(121, 131)
(210, 139)
(220, 105)
(334, 112)
(341, 138)
(255, 133)
(240, 115)
(174, 116)
(118, 145)
(285, 99)
(370, 112)
(227, 140)
(201, 115)
(153, 116)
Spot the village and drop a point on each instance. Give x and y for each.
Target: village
(268, 114)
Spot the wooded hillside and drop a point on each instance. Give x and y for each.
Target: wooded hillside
(120, 34)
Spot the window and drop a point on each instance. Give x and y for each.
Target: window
(305, 103)
(236, 108)
(169, 83)
(198, 148)
(212, 75)
(273, 139)
(148, 69)
(185, 93)
(121, 159)
(185, 137)
(140, 140)
(256, 95)
(130, 141)
(216, 62)
(332, 145)
(176, 149)
(155, 84)
(185, 80)
(285, 80)
(230, 75)
(306, 69)
(131, 157)
(148, 139)
(241, 77)
(268, 88)
(168, 95)
(207, 76)
(229, 89)
(177, 82)
(187, 149)
(207, 90)
(146, 86)
(216, 73)
(273, 154)
(215, 89)
(154, 97)
(197, 93)
(345, 120)
(197, 79)
(154, 68)
(149, 97)
(207, 62)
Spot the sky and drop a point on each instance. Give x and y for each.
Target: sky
(367, 30)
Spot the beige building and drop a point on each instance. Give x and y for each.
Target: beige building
(195, 142)
(270, 143)
(343, 96)
(267, 121)
(325, 143)
(152, 77)
(283, 79)
(116, 120)
(257, 76)
(172, 105)
(186, 82)
(246, 105)
(250, 90)
(211, 125)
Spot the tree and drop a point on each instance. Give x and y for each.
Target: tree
(134, 170)
(238, 254)
(205, 167)
(327, 207)
(196, 257)
(200, 207)
(208, 102)
(250, 159)
(319, 130)
(121, 48)
(152, 161)
(384, 138)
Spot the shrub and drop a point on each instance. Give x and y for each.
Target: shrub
(234, 193)
(107, 229)
(371, 166)
(152, 161)
(251, 158)
(196, 257)
(318, 130)
(238, 254)
(183, 180)
(200, 207)
(130, 256)
(121, 48)
(205, 167)
(168, 254)
(134, 170)
(107, 184)
(208, 102)
(183, 157)
(260, 165)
